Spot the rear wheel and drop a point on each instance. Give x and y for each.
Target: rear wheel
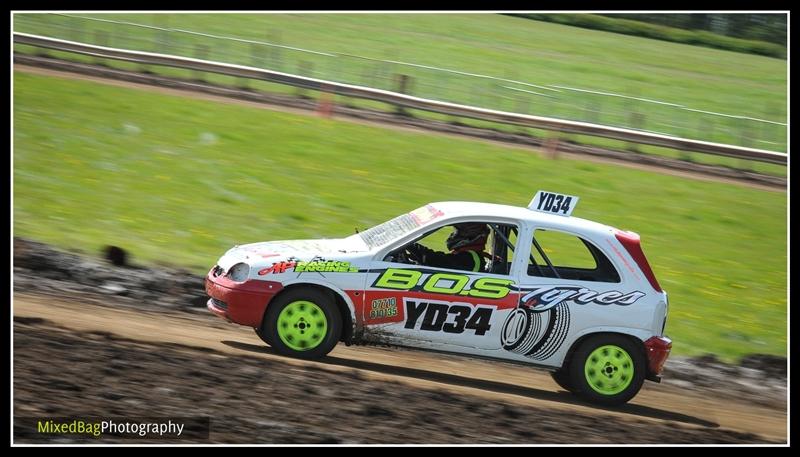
(302, 323)
(608, 369)
(561, 377)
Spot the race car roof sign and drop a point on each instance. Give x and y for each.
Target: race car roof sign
(553, 203)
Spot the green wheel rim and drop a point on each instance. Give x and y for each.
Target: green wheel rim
(609, 370)
(302, 325)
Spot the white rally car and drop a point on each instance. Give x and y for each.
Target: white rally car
(554, 291)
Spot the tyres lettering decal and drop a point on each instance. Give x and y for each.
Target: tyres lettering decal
(542, 298)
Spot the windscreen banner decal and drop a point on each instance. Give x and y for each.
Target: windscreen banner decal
(425, 214)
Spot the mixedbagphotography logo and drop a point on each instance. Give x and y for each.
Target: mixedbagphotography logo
(47, 429)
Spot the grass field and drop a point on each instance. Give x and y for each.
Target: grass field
(500, 46)
(178, 181)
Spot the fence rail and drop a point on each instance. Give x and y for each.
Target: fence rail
(407, 101)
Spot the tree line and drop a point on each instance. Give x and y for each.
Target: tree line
(763, 34)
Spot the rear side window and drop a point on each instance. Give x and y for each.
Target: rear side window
(557, 254)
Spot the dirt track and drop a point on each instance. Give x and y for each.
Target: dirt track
(82, 357)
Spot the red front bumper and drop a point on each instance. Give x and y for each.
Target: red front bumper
(658, 348)
(240, 302)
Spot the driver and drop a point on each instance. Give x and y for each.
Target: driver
(467, 244)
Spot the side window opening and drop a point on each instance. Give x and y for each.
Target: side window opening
(504, 239)
(496, 256)
(436, 239)
(557, 254)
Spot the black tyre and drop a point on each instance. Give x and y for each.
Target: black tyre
(561, 377)
(608, 369)
(262, 336)
(302, 323)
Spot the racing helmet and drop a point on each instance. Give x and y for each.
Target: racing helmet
(468, 235)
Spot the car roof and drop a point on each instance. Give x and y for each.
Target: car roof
(478, 209)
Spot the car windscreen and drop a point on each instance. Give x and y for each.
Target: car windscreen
(399, 226)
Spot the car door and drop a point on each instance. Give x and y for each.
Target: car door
(568, 285)
(436, 307)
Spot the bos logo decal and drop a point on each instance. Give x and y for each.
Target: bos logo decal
(439, 316)
(443, 283)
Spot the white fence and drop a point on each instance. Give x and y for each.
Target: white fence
(399, 99)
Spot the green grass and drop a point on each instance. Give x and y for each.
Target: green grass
(273, 88)
(500, 46)
(178, 181)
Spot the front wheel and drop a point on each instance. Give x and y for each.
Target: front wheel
(608, 369)
(302, 323)
(263, 336)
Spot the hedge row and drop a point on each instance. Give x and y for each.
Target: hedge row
(660, 32)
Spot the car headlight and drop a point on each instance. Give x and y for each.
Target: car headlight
(239, 272)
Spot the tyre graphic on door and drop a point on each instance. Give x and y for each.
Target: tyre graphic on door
(536, 335)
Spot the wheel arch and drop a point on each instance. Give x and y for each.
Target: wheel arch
(343, 303)
(578, 341)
